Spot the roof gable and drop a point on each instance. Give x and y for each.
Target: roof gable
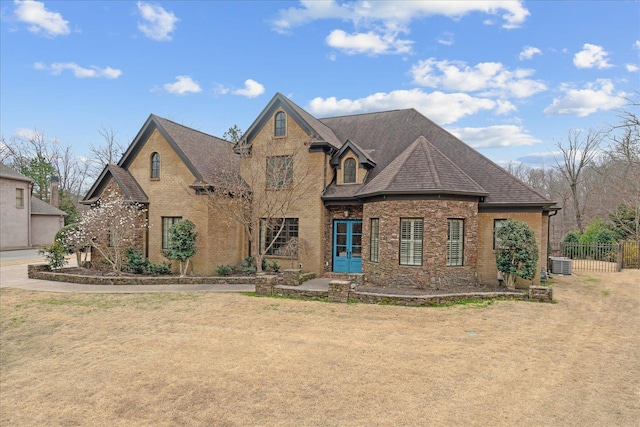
(363, 157)
(123, 179)
(201, 153)
(317, 130)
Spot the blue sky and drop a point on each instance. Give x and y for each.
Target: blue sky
(509, 78)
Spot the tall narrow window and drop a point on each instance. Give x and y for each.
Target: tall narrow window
(167, 222)
(374, 244)
(497, 223)
(455, 242)
(19, 197)
(283, 238)
(281, 124)
(155, 166)
(411, 241)
(349, 171)
(279, 172)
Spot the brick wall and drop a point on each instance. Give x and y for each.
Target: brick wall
(433, 269)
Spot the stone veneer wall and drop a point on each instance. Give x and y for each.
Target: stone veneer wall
(332, 213)
(433, 270)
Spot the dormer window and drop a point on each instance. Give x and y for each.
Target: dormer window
(349, 170)
(281, 124)
(155, 166)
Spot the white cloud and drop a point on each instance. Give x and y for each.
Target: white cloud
(597, 96)
(393, 14)
(541, 158)
(440, 107)
(491, 78)
(182, 85)
(636, 45)
(591, 56)
(369, 43)
(446, 39)
(57, 68)
(495, 136)
(528, 52)
(632, 68)
(40, 19)
(251, 89)
(158, 23)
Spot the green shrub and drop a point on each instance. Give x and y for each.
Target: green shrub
(224, 270)
(274, 266)
(55, 254)
(138, 264)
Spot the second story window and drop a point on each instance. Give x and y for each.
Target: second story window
(281, 124)
(19, 197)
(279, 172)
(349, 171)
(155, 166)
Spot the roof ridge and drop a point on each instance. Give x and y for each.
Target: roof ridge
(189, 128)
(433, 168)
(367, 113)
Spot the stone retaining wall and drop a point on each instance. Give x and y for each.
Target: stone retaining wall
(43, 272)
(430, 300)
(541, 293)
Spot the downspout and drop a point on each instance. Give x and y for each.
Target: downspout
(28, 202)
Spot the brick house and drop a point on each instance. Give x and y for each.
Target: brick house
(162, 169)
(394, 195)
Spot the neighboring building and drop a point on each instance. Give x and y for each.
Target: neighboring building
(25, 221)
(394, 195)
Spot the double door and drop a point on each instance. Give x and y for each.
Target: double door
(347, 246)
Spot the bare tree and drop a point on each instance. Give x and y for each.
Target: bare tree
(108, 153)
(263, 193)
(578, 152)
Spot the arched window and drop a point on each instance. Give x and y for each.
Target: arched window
(281, 124)
(349, 171)
(155, 166)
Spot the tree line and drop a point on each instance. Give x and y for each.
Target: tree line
(595, 179)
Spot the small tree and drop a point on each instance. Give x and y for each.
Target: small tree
(110, 227)
(182, 244)
(516, 252)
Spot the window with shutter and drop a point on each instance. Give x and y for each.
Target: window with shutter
(455, 242)
(411, 231)
(375, 240)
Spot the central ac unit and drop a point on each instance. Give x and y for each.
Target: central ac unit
(560, 265)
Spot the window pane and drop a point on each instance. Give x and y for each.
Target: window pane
(497, 223)
(411, 241)
(19, 197)
(349, 171)
(375, 240)
(284, 244)
(167, 222)
(155, 165)
(279, 171)
(455, 242)
(280, 125)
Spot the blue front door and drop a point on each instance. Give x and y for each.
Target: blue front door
(347, 246)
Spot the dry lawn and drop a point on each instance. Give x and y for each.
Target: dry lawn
(237, 360)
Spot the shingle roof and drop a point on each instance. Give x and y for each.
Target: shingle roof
(386, 135)
(7, 172)
(421, 168)
(127, 183)
(38, 207)
(206, 153)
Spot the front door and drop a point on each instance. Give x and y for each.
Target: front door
(347, 246)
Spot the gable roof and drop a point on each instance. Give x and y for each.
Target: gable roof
(39, 207)
(318, 131)
(363, 156)
(423, 169)
(386, 135)
(123, 179)
(10, 173)
(202, 153)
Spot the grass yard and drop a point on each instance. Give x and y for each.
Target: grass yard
(237, 360)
